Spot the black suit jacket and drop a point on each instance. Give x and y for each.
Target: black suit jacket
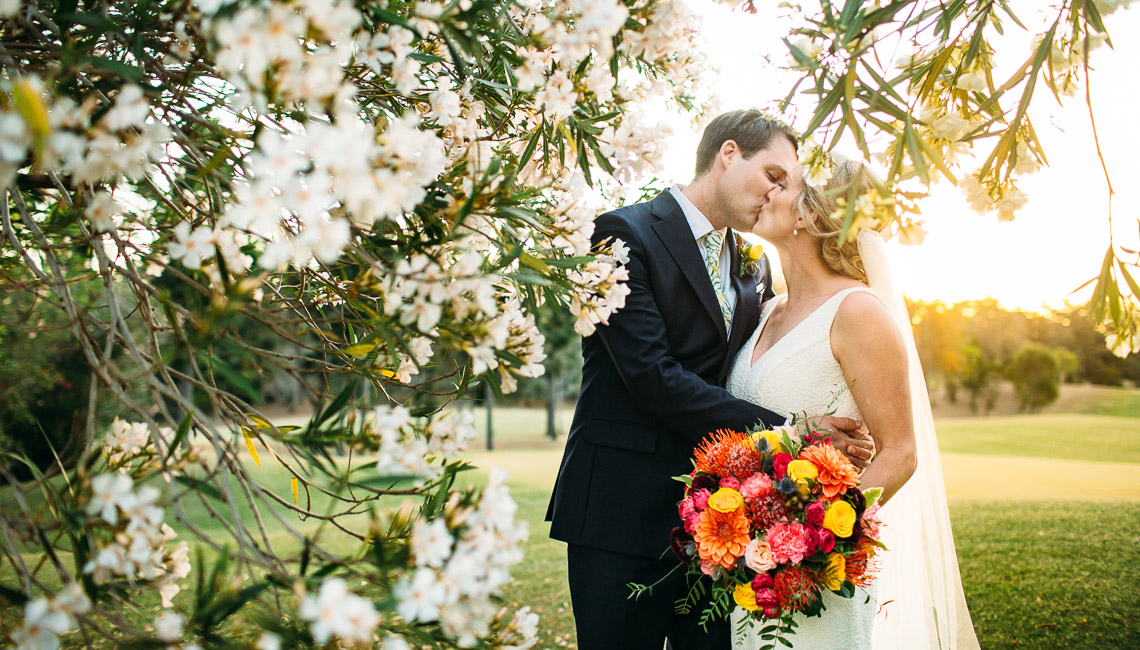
(652, 386)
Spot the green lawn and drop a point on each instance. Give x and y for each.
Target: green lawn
(1060, 435)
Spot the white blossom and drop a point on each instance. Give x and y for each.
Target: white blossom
(431, 543)
(42, 626)
(168, 626)
(337, 612)
(191, 248)
(109, 493)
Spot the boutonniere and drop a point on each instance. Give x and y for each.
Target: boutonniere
(750, 255)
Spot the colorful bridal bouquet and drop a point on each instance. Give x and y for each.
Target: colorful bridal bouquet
(775, 521)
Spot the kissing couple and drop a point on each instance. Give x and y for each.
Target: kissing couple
(703, 343)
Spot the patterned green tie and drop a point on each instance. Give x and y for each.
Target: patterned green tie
(713, 243)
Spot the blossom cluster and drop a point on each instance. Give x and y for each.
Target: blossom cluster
(63, 136)
(403, 452)
(599, 288)
(136, 546)
(337, 612)
(45, 620)
(462, 560)
(424, 289)
(776, 520)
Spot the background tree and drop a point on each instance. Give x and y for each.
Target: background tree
(1033, 373)
(979, 378)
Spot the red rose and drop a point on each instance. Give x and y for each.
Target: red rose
(761, 581)
(813, 514)
(826, 540)
(811, 537)
(780, 464)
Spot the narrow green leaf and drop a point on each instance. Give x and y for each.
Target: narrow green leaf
(179, 436)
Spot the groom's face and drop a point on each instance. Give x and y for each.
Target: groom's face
(748, 184)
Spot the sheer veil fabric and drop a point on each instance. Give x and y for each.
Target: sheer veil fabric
(921, 602)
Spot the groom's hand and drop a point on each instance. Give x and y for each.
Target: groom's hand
(849, 437)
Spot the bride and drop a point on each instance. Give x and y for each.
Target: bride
(840, 341)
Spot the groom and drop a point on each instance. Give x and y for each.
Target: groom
(652, 387)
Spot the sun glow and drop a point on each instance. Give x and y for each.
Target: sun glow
(1057, 241)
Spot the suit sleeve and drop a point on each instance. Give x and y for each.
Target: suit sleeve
(636, 344)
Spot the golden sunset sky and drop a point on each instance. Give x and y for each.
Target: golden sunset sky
(1059, 238)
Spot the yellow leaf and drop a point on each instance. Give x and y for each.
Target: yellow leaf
(261, 424)
(249, 445)
(360, 349)
(386, 373)
(293, 484)
(30, 104)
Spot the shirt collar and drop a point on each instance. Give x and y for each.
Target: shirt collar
(698, 222)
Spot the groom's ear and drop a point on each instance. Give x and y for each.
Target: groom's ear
(729, 150)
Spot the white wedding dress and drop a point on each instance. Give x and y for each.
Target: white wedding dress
(799, 376)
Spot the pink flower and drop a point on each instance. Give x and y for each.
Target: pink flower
(826, 540)
(700, 500)
(691, 523)
(730, 482)
(772, 611)
(813, 514)
(686, 508)
(756, 486)
(780, 464)
(689, 515)
(871, 521)
(788, 543)
(707, 568)
(758, 556)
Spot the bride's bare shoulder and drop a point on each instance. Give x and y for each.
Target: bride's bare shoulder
(863, 325)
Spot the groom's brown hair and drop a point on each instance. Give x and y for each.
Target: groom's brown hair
(748, 128)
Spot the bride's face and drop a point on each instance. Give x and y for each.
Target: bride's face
(778, 217)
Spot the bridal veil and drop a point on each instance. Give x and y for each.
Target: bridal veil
(921, 602)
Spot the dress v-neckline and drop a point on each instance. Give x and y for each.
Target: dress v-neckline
(752, 363)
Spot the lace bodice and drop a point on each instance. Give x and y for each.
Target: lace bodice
(799, 375)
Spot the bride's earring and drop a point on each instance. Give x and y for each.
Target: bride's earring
(796, 229)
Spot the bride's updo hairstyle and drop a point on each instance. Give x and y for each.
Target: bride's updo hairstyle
(818, 205)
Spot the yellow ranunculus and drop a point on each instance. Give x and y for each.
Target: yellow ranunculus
(840, 519)
(773, 439)
(754, 252)
(802, 469)
(726, 500)
(836, 572)
(745, 597)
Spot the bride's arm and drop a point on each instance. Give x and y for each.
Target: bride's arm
(870, 349)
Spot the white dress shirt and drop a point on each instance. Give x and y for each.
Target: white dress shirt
(700, 225)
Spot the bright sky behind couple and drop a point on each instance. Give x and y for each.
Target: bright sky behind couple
(1056, 242)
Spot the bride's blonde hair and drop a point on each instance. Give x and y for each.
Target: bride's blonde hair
(818, 207)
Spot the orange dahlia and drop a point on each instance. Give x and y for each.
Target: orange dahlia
(728, 453)
(836, 473)
(863, 563)
(722, 536)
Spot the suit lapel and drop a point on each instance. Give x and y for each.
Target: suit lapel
(745, 314)
(674, 231)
